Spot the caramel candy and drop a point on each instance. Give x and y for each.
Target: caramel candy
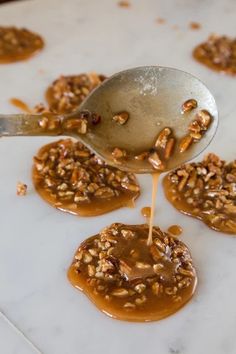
(131, 281)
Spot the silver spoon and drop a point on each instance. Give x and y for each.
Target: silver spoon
(152, 96)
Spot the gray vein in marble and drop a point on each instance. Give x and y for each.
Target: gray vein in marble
(20, 333)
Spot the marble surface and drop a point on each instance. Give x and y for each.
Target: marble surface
(12, 340)
(37, 242)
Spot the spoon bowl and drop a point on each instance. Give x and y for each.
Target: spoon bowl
(152, 96)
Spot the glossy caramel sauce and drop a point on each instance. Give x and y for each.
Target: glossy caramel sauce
(18, 44)
(71, 178)
(129, 280)
(155, 178)
(146, 212)
(205, 190)
(217, 53)
(149, 212)
(66, 93)
(20, 105)
(175, 230)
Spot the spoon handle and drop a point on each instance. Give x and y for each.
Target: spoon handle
(29, 125)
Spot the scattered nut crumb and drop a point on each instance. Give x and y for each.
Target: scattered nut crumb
(21, 189)
(195, 25)
(124, 3)
(160, 20)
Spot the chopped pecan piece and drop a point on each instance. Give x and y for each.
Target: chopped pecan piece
(121, 118)
(185, 143)
(155, 161)
(189, 105)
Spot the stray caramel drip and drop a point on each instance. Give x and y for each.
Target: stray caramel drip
(20, 104)
(175, 230)
(194, 26)
(146, 212)
(155, 178)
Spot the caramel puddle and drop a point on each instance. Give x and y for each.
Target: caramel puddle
(131, 281)
(218, 54)
(18, 44)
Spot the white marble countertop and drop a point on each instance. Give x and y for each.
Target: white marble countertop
(37, 242)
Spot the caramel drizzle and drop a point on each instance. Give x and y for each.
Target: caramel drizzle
(20, 104)
(155, 177)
